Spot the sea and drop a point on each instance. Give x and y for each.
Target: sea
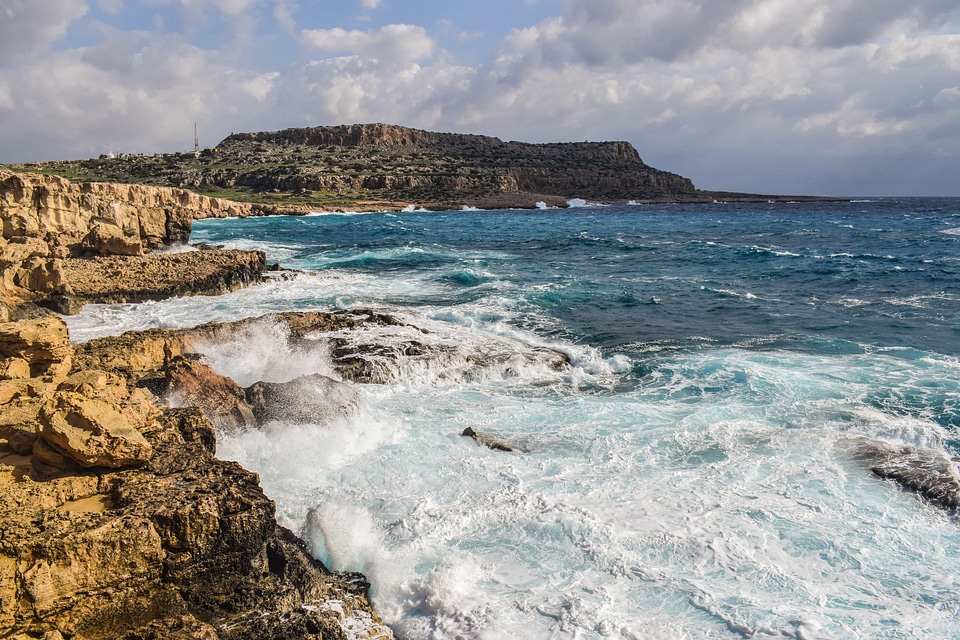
(688, 475)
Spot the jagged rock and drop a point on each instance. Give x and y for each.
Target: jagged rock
(193, 383)
(928, 472)
(488, 441)
(44, 343)
(41, 275)
(110, 240)
(315, 399)
(92, 432)
(186, 546)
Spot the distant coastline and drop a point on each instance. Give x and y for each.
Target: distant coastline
(374, 167)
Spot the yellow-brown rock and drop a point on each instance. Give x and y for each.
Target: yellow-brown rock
(106, 239)
(193, 383)
(43, 343)
(14, 369)
(92, 432)
(33, 204)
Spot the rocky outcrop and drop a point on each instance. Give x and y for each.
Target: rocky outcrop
(460, 165)
(928, 472)
(190, 382)
(67, 243)
(120, 522)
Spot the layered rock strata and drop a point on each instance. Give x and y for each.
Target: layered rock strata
(65, 244)
(120, 522)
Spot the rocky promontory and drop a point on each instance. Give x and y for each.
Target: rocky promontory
(65, 244)
(365, 167)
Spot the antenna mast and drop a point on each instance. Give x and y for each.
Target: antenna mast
(196, 141)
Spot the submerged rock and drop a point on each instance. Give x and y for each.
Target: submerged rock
(928, 472)
(489, 441)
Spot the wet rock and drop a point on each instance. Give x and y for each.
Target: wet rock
(92, 432)
(314, 399)
(193, 383)
(488, 441)
(927, 472)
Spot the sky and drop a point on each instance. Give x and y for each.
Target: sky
(829, 97)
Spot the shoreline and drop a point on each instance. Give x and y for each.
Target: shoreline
(119, 519)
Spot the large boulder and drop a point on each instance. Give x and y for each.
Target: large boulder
(92, 432)
(110, 240)
(193, 383)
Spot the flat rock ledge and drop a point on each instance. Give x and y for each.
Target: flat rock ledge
(115, 279)
(118, 520)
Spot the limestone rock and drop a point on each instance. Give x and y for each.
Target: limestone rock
(110, 240)
(14, 369)
(44, 343)
(93, 432)
(193, 383)
(114, 279)
(41, 275)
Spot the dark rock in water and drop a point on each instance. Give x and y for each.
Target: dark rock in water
(488, 441)
(314, 399)
(928, 472)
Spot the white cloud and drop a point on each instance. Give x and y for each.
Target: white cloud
(769, 95)
(28, 27)
(283, 13)
(394, 45)
(371, 4)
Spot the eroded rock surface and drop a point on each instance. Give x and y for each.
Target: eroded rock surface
(64, 244)
(118, 521)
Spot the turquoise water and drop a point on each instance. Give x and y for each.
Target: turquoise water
(689, 477)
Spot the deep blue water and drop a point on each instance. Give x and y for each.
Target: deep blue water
(885, 273)
(689, 477)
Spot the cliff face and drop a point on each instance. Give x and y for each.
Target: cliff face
(48, 222)
(458, 165)
(34, 205)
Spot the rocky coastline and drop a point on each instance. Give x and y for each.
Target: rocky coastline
(377, 167)
(118, 520)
